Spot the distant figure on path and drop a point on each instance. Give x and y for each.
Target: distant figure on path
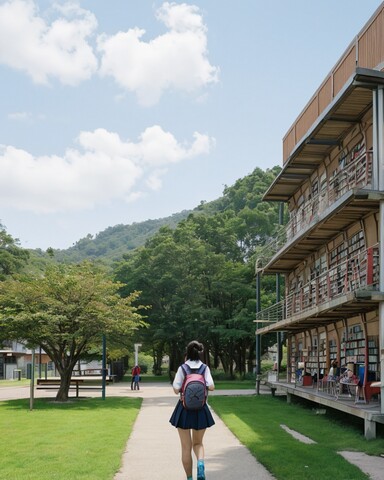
(191, 424)
(135, 372)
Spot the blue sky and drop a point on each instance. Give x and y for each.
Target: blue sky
(118, 111)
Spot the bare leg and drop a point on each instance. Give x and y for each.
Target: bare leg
(197, 442)
(186, 450)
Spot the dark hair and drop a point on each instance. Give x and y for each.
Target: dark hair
(194, 350)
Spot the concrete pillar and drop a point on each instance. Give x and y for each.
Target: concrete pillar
(378, 182)
(289, 397)
(369, 429)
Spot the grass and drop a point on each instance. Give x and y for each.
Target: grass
(234, 384)
(257, 421)
(15, 383)
(82, 439)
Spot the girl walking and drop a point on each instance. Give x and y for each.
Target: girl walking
(191, 424)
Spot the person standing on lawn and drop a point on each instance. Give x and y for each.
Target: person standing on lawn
(191, 424)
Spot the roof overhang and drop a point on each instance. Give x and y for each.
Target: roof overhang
(349, 208)
(344, 306)
(339, 117)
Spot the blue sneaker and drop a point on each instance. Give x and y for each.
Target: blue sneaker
(200, 471)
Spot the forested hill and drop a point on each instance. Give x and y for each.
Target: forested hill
(112, 243)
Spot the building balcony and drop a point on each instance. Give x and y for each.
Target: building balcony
(348, 193)
(357, 174)
(347, 288)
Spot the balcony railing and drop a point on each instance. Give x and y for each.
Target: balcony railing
(357, 173)
(359, 272)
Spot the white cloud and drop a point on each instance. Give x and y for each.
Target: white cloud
(60, 49)
(57, 50)
(154, 181)
(103, 168)
(26, 117)
(174, 60)
(19, 116)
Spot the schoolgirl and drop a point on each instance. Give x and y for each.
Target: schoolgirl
(191, 425)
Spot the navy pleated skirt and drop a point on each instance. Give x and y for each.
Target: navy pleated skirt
(196, 419)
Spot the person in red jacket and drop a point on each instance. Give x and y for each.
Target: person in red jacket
(135, 372)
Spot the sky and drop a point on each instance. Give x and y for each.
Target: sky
(119, 111)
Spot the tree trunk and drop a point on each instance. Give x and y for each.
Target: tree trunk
(175, 360)
(157, 359)
(65, 382)
(251, 357)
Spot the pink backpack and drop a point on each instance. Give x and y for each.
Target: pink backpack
(194, 389)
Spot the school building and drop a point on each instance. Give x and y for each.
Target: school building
(331, 251)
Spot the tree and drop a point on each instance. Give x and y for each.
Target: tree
(12, 257)
(66, 312)
(199, 278)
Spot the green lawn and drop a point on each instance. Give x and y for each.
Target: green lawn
(83, 439)
(234, 384)
(15, 383)
(257, 421)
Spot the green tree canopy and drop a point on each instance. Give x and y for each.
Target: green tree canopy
(199, 278)
(12, 257)
(66, 311)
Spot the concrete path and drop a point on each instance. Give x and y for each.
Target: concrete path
(153, 450)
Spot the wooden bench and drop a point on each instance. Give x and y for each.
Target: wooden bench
(78, 383)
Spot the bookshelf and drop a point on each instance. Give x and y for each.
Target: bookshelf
(332, 351)
(316, 361)
(355, 348)
(373, 358)
(312, 360)
(322, 362)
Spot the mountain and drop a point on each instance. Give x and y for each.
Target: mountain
(112, 243)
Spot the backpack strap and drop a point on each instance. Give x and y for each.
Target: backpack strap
(188, 370)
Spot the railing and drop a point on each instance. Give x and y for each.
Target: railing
(359, 272)
(358, 173)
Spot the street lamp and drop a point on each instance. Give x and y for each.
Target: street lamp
(137, 345)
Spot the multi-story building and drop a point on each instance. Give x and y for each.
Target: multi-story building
(331, 251)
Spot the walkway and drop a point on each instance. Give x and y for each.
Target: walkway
(153, 450)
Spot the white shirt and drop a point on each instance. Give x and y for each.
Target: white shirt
(179, 378)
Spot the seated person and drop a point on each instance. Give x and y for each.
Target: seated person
(332, 374)
(348, 377)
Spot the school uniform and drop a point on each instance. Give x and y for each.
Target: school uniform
(195, 419)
